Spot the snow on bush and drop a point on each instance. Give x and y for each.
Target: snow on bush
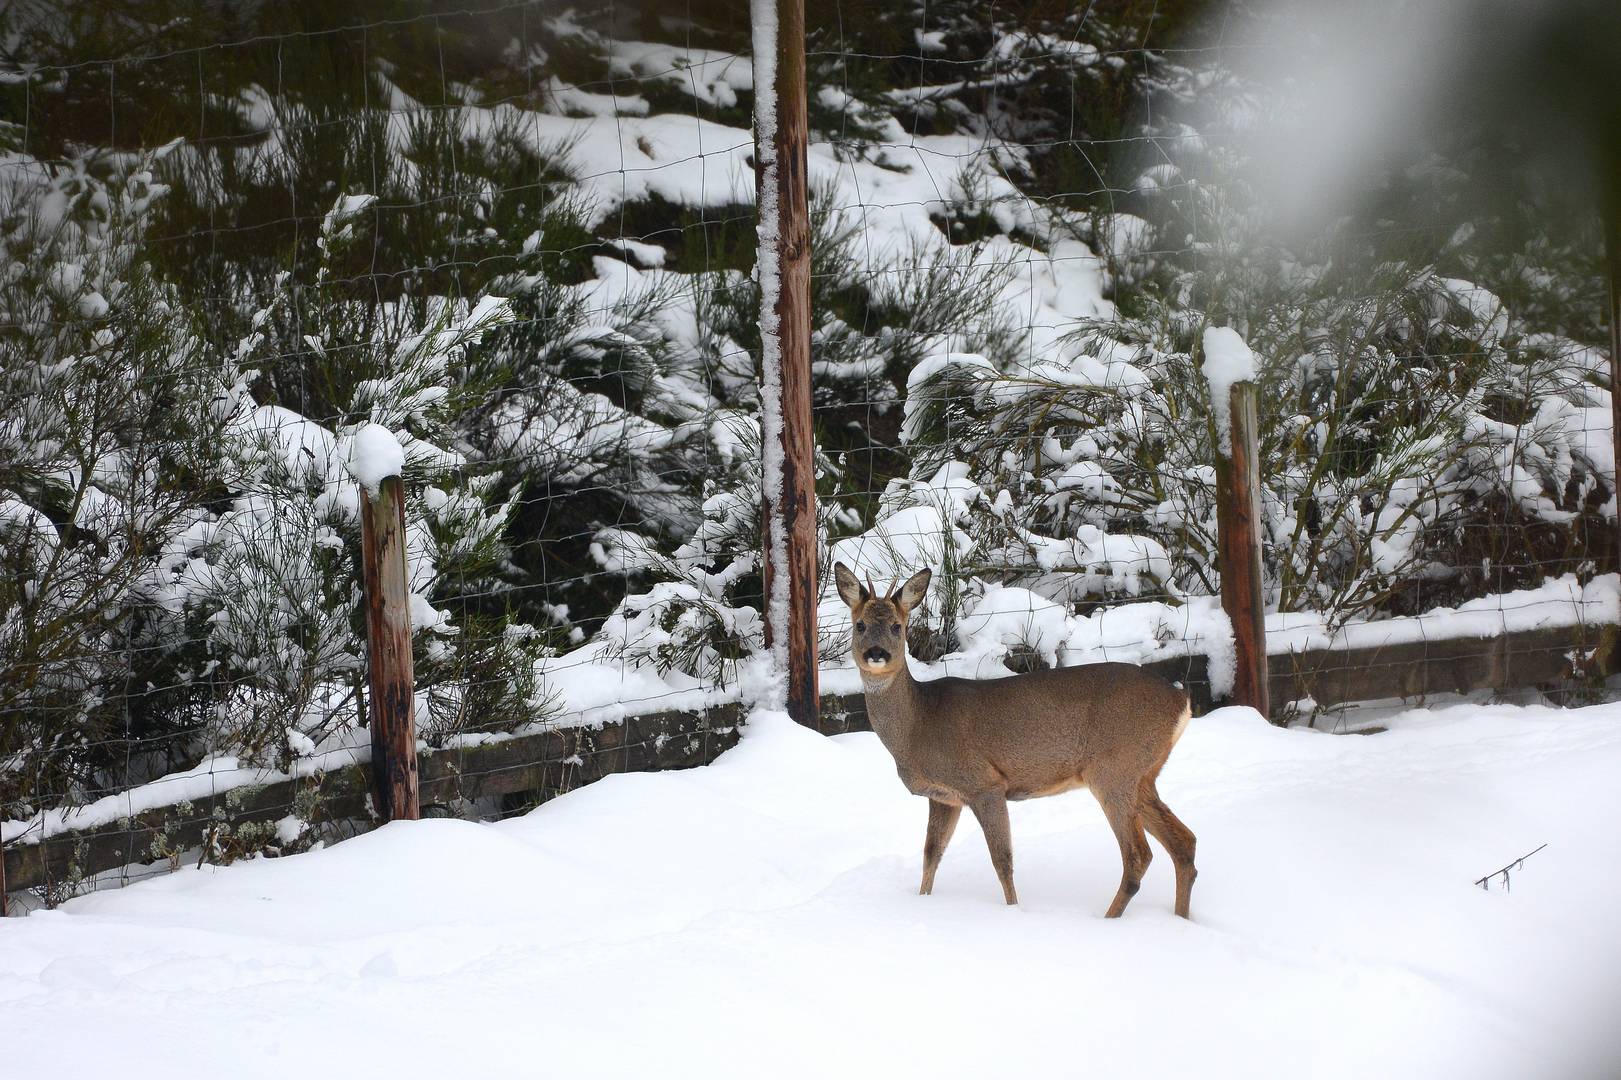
(543, 306)
(110, 412)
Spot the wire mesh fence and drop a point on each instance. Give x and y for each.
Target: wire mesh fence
(523, 241)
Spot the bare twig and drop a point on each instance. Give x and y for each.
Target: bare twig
(1485, 882)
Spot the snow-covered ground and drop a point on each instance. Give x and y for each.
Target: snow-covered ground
(758, 918)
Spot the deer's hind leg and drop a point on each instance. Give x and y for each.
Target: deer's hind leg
(942, 823)
(1178, 839)
(1120, 807)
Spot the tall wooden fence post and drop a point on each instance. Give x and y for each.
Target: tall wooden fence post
(1238, 524)
(1610, 221)
(788, 452)
(388, 647)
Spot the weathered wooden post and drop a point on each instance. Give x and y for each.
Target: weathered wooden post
(1610, 221)
(788, 442)
(376, 461)
(1230, 368)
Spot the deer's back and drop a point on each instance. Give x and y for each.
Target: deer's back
(1046, 731)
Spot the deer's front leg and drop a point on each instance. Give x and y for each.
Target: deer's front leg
(942, 823)
(991, 810)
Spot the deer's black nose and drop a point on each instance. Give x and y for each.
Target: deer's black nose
(875, 656)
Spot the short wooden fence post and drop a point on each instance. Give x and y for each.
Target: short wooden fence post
(388, 651)
(1238, 525)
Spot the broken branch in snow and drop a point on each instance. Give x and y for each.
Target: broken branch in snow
(1485, 882)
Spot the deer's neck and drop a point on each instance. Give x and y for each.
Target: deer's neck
(891, 706)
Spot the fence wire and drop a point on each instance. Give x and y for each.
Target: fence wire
(523, 240)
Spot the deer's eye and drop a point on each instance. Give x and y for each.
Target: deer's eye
(861, 628)
(896, 628)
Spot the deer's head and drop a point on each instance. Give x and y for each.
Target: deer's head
(878, 623)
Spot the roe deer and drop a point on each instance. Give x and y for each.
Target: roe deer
(958, 742)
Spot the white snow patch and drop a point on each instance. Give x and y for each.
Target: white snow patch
(1005, 618)
(660, 888)
(372, 455)
(707, 75)
(568, 100)
(1227, 360)
(213, 776)
(1558, 602)
(649, 255)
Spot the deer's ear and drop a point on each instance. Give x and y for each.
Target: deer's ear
(851, 591)
(913, 591)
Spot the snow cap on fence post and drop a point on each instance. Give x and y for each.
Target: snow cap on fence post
(373, 455)
(1227, 361)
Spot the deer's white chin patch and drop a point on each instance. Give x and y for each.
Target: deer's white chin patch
(878, 672)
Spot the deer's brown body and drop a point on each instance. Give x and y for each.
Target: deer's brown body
(960, 742)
